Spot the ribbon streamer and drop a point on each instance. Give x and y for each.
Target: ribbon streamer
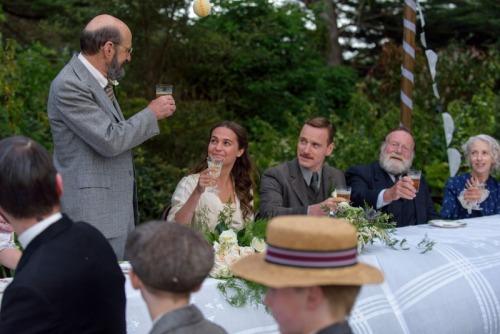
(454, 156)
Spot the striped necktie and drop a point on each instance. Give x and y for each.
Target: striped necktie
(109, 91)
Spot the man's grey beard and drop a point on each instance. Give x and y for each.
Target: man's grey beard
(115, 70)
(393, 166)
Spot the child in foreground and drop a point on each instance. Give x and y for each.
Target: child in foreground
(170, 261)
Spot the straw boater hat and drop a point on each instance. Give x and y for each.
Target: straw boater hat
(306, 251)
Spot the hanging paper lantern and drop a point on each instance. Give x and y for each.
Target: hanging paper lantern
(201, 7)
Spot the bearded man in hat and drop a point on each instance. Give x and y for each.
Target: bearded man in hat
(310, 268)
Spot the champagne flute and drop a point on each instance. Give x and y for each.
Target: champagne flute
(215, 166)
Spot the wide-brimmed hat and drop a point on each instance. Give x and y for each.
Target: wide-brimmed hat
(307, 251)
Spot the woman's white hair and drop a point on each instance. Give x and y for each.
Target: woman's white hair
(493, 145)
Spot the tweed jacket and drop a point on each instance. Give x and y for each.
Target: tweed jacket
(93, 150)
(367, 181)
(68, 281)
(186, 320)
(342, 328)
(283, 190)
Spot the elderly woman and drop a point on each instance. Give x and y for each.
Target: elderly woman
(476, 193)
(193, 205)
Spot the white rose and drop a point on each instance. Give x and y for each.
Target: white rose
(220, 270)
(244, 251)
(214, 272)
(220, 258)
(232, 258)
(258, 244)
(224, 271)
(228, 237)
(234, 249)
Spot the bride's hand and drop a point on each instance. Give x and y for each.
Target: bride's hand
(205, 180)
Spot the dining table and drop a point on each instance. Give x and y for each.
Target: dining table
(448, 284)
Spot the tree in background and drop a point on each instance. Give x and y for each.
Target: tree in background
(261, 65)
(24, 78)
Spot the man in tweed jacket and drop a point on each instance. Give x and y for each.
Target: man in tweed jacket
(286, 189)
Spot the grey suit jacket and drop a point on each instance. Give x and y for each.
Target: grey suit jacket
(186, 320)
(342, 328)
(93, 150)
(283, 190)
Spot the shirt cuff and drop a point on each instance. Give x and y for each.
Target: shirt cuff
(380, 200)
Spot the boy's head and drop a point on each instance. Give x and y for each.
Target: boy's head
(169, 257)
(311, 270)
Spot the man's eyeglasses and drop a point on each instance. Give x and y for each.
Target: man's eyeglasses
(127, 50)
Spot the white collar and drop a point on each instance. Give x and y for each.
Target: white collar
(38, 228)
(307, 174)
(103, 81)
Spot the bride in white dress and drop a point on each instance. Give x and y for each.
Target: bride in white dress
(191, 202)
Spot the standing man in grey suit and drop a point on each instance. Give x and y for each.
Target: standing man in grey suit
(93, 142)
(304, 185)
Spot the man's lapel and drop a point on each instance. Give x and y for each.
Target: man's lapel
(297, 182)
(84, 74)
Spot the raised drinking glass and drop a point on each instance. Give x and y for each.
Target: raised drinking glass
(215, 167)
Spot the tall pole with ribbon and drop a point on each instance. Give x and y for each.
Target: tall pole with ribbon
(408, 61)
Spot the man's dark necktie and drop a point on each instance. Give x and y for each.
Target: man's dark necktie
(314, 185)
(109, 90)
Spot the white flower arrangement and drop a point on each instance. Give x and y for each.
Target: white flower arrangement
(228, 251)
(229, 246)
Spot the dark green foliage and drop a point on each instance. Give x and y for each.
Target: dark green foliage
(155, 178)
(258, 65)
(25, 76)
(239, 292)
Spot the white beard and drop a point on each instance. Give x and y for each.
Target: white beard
(395, 166)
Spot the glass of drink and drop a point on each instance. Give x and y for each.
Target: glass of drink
(415, 175)
(215, 166)
(344, 192)
(484, 194)
(164, 89)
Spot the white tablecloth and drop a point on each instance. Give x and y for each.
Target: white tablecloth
(248, 320)
(454, 288)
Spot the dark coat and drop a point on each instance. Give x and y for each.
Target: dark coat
(367, 181)
(68, 281)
